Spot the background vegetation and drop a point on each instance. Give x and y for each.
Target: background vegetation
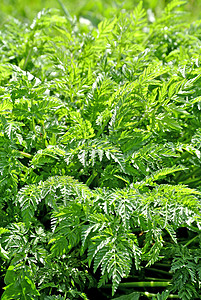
(100, 146)
(95, 10)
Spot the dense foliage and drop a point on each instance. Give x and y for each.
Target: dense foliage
(100, 145)
(94, 10)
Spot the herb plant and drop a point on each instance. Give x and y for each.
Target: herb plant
(100, 145)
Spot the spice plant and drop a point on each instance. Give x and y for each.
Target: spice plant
(100, 139)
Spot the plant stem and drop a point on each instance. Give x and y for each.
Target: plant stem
(25, 154)
(156, 279)
(149, 278)
(192, 240)
(149, 295)
(27, 58)
(91, 178)
(163, 264)
(141, 284)
(159, 271)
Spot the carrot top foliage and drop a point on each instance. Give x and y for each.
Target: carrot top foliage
(100, 146)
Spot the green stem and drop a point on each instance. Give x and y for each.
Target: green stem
(141, 284)
(192, 240)
(33, 125)
(150, 295)
(156, 279)
(159, 271)
(91, 178)
(149, 278)
(23, 293)
(25, 154)
(163, 265)
(27, 58)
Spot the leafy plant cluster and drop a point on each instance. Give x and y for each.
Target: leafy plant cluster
(100, 146)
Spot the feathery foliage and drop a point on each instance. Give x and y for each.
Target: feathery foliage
(100, 156)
